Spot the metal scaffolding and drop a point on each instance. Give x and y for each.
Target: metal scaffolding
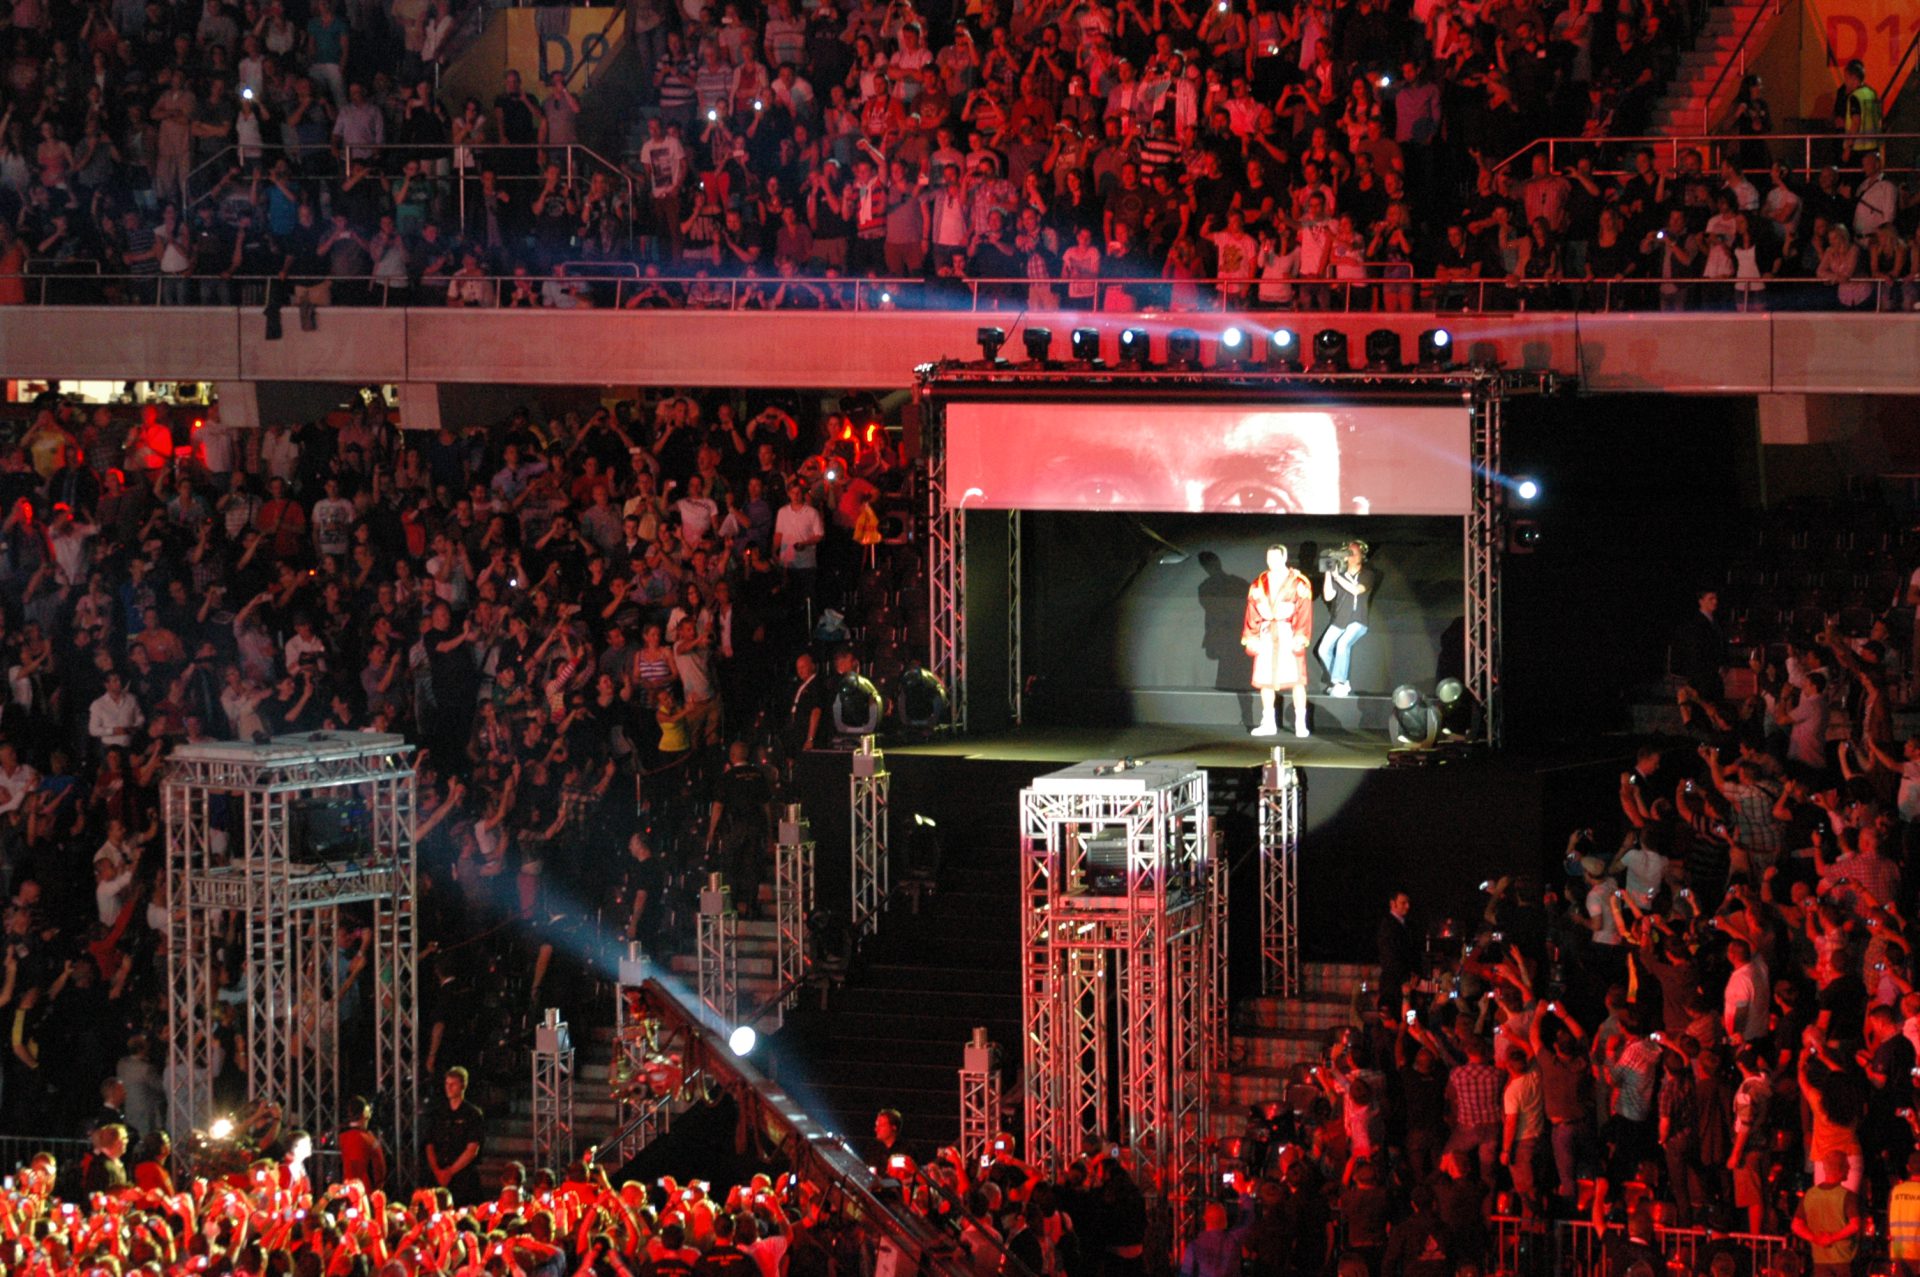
(868, 790)
(718, 951)
(979, 1098)
(1280, 877)
(552, 1091)
(792, 898)
(1217, 1005)
(946, 574)
(1485, 532)
(1118, 967)
(301, 849)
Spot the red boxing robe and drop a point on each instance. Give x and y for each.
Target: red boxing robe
(1278, 629)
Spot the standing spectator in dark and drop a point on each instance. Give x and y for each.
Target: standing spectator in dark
(520, 125)
(455, 1132)
(642, 889)
(807, 706)
(724, 1258)
(1399, 953)
(886, 1138)
(1700, 647)
(739, 825)
(1419, 1245)
(101, 1170)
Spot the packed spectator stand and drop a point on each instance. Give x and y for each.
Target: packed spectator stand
(1357, 155)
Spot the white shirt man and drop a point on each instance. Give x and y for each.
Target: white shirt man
(1646, 870)
(797, 533)
(114, 715)
(17, 780)
(1749, 995)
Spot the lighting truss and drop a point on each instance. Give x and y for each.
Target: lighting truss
(289, 913)
(979, 1099)
(1483, 558)
(718, 952)
(1280, 878)
(552, 1092)
(868, 792)
(793, 855)
(643, 1116)
(1119, 967)
(946, 573)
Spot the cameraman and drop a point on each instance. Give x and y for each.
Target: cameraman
(1348, 588)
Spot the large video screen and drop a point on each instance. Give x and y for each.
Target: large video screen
(1210, 458)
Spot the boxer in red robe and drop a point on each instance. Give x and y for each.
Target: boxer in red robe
(1277, 632)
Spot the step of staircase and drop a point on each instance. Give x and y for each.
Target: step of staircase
(1684, 104)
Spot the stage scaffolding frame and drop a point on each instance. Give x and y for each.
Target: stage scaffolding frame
(289, 911)
(552, 1107)
(643, 1115)
(1118, 968)
(1485, 391)
(793, 857)
(979, 1098)
(717, 952)
(1280, 877)
(869, 791)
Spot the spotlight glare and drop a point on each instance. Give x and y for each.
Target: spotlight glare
(1086, 345)
(1527, 490)
(221, 1129)
(1442, 338)
(1435, 350)
(1232, 338)
(1134, 346)
(742, 1040)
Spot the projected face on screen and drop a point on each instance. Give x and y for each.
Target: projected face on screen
(1206, 459)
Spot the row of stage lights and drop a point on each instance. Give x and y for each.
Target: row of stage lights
(1234, 349)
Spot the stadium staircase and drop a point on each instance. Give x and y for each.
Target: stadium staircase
(1272, 1037)
(1732, 37)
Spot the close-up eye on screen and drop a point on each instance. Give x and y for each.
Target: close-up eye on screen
(1206, 458)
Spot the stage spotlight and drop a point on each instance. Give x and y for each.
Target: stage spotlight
(1459, 711)
(221, 1129)
(1435, 350)
(1086, 345)
(1416, 724)
(1134, 347)
(1283, 350)
(922, 700)
(857, 707)
(1330, 350)
(1039, 342)
(1383, 350)
(1232, 348)
(1526, 489)
(742, 1040)
(990, 339)
(1183, 348)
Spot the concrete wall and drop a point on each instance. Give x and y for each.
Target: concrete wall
(1692, 353)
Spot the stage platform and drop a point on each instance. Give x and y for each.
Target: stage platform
(1331, 745)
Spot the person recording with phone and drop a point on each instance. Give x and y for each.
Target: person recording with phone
(1348, 588)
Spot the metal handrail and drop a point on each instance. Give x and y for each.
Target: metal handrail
(571, 151)
(1739, 56)
(1709, 143)
(1230, 297)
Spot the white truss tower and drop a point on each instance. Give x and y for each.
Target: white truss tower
(230, 812)
(979, 1098)
(868, 792)
(793, 852)
(552, 1092)
(718, 952)
(1280, 877)
(1120, 967)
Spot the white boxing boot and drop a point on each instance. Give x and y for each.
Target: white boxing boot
(1267, 726)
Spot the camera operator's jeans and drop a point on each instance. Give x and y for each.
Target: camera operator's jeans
(1336, 649)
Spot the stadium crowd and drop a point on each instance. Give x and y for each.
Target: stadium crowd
(1709, 1021)
(607, 632)
(1081, 154)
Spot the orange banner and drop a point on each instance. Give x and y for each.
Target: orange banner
(1878, 32)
